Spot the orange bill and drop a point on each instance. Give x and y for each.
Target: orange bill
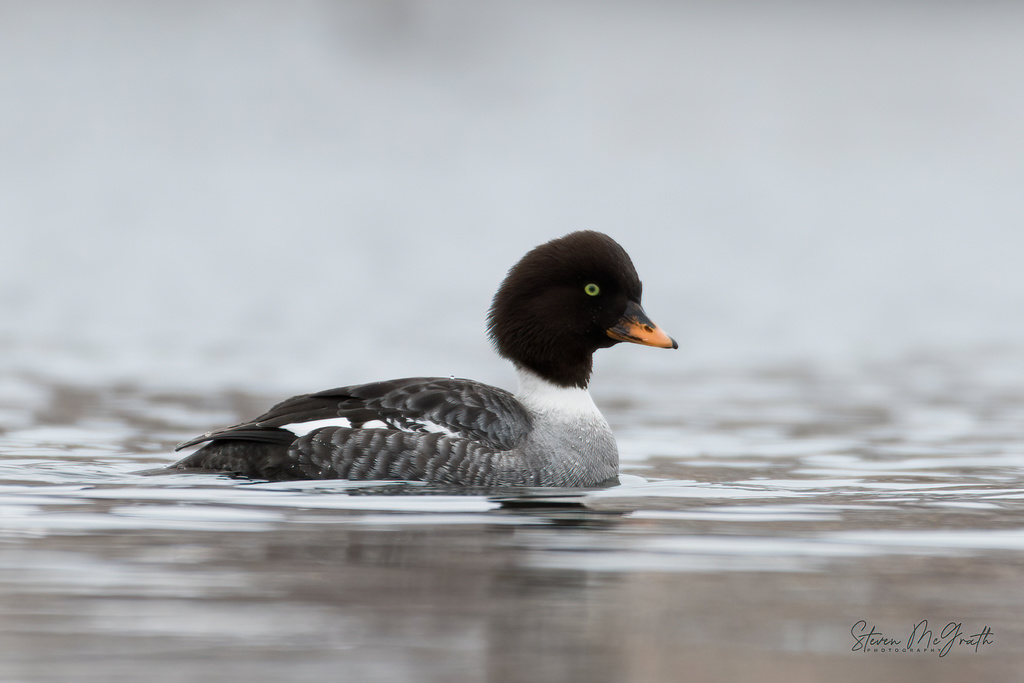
(635, 327)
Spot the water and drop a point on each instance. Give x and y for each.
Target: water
(207, 208)
(748, 537)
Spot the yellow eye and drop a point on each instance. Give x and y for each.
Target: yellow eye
(592, 289)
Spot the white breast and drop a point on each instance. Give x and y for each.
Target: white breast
(542, 397)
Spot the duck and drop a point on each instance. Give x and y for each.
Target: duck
(557, 306)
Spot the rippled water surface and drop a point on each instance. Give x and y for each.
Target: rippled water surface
(760, 517)
(206, 207)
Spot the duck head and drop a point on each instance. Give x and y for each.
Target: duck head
(566, 299)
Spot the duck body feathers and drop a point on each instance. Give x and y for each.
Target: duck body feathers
(559, 304)
(447, 431)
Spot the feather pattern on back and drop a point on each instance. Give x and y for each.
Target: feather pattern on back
(462, 407)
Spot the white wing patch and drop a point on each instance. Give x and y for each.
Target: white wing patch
(433, 428)
(303, 428)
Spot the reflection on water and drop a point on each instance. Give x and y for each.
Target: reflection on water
(205, 207)
(747, 538)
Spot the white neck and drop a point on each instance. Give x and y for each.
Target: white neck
(541, 396)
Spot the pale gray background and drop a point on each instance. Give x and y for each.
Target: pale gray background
(272, 194)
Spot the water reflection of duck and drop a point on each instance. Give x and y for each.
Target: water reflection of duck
(564, 300)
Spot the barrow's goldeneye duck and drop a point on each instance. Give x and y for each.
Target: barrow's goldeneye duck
(563, 301)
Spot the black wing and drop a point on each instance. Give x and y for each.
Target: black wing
(469, 409)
